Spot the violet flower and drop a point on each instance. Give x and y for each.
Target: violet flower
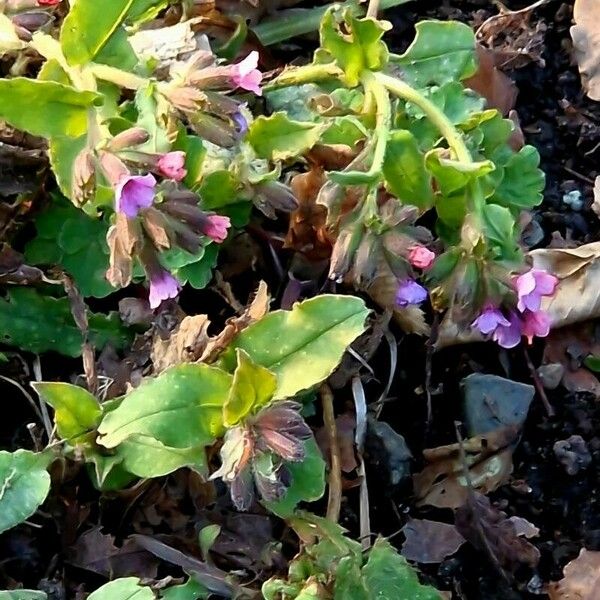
(172, 165)
(489, 320)
(246, 75)
(531, 286)
(240, 123)
(535, 324)
(216, 227)
(509, 336)
(162, 286)
(410, 292)
(133, 193)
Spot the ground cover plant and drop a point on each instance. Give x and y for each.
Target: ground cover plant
(239, 268)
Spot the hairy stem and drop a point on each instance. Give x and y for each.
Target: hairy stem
(118, 77)
(373, 9)
(302, 75)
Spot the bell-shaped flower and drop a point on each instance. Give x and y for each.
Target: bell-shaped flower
(532, 286)
(410, 292)
(134, 193)
(246, 75)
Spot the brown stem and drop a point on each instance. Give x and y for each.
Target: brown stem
(335, 472)
(539, 386)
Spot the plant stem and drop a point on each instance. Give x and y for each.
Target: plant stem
(302, 75)
(373, 9)
(433, 113)
(118, 77)
(383, 118)
(335, 472)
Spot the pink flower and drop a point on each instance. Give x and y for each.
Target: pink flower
(162, 286)
(489, 320)
(216, 228)
(535, 324)
(133, 193)
(421, 257)
(531, 286)
(172, 165)
(48, 2)
(508, 336)
(410, 292)
(246, 75)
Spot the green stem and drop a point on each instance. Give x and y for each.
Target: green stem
(433, 113)
(302, 75)
(118, 77)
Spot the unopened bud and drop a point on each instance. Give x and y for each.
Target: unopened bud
(214, 130)
(32, 20)
(114, 168)
(128, 138)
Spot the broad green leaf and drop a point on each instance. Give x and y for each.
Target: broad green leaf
(63, 151)
(277, 137)
(182, 407)
(126, 588)
(404, 170)
(199, 274)
(150, 113)
(442, 51)
(354, 43)
(252, 388)
(349, 582)
(346, 130)
(146, 457)
(592, 362)
(145, 10)
(45, 108)
(24, 485)
(22, 595)
(218, 189)
(523, 182)
(500, 230)
(118, 52)
(107, 473)
(308, 482)
(304, 345)
(190, 590)
(39, 323)
(388, 575)
(88, 28)
(452, 175)
(76, 411)
(194, 157)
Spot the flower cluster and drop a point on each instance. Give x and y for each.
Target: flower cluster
(409, 291)
(528, 320)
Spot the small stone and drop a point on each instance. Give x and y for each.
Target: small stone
(573, 199)
(573, 454)
(551, 375)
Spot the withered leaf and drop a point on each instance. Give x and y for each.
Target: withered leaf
(489, 459)
(586, 44)
(430, 541)
(479, 518)
(581, 578)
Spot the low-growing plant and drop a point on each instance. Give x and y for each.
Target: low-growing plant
(161, 158)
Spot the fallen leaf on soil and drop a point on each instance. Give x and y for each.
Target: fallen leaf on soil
(497, 88)
(430, 541)
(477, 518)
(489, 458)
(586, 44)
(581, 579)
(524, 528)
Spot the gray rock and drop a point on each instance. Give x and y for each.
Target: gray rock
(551, 375)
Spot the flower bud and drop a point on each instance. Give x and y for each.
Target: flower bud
(128, 138)
(113, 167)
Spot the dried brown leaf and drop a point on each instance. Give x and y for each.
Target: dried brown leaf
(490, 531)
(581, 579)
(586, 44)
(430, 541)
(489, 459)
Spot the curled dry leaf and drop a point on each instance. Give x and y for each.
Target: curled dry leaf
(581, 579)
(586, 44)
(430, 541)
(490, 531)
(489, 459)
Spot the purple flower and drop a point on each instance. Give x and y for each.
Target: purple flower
(509, 336)
(535, 324)
(162, 286)
(240, 123)
(489, 320)
(531, 286)
(216, 228)
(410, 292)
(246, 75)
(133, 193)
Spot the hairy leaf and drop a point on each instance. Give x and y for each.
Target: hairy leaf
(24, 485)
(304, 345)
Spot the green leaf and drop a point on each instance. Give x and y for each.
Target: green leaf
(218, 189)
(190, 590)
(346, 130)
(199, 274)
(23, 595)
(404, 170)
(592, 362)
(147, 457)
(39, 323)
(76, 411)
(149, 115)
(355, 44)
(388, 575)
(442, 51)
(523, 183)
(207, 537)
(452, 175)
(349, 582)
(88, 31)
(195, 152)
(63, 151)
(308, 482)
(24, 485)
(182, 408)
(126, 588)
(304, 345)
(45, 108)
(145, 10)
(500, 230)
(278, 138)
(252, 388)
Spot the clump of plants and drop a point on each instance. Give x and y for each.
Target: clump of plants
(159, 161)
